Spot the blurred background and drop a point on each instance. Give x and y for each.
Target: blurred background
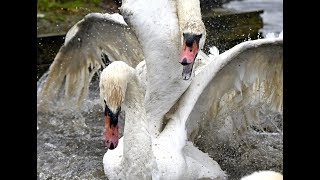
(58, 16)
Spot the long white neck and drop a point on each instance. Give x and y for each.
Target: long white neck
(190, 19)
(136, 135)
(136, 126)
(189, 14)
(156, 26)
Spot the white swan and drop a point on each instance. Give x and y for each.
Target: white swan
(263, 175)
(169, 104)
(120, 87)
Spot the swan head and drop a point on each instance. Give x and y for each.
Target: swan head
(193, 36)
(111, 126)
(113, 85)
(189, 51)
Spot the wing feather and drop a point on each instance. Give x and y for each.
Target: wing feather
(81, 56)
(235, 93)
(233, 106)
(245, 80)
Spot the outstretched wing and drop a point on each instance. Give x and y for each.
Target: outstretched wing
(236, 101)
(238, 85)
(81, 56)
(238, 115)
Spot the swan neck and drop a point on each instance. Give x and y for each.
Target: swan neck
(189, 15)
(136, 134)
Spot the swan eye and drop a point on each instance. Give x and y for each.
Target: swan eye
(107, 111)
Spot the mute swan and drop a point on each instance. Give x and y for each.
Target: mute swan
(174, 109)
(119, 86)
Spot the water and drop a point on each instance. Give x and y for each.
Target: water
(272, 16)
(70, 141)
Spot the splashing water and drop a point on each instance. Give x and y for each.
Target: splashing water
(70, 141)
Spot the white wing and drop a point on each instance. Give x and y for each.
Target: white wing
(246, 78)
(238, 84)
(223, 102)
(80, 56)
(238, 116)
(257, 62)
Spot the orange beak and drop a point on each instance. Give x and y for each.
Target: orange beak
(187, 57)
(112, 134)
(188, 54)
